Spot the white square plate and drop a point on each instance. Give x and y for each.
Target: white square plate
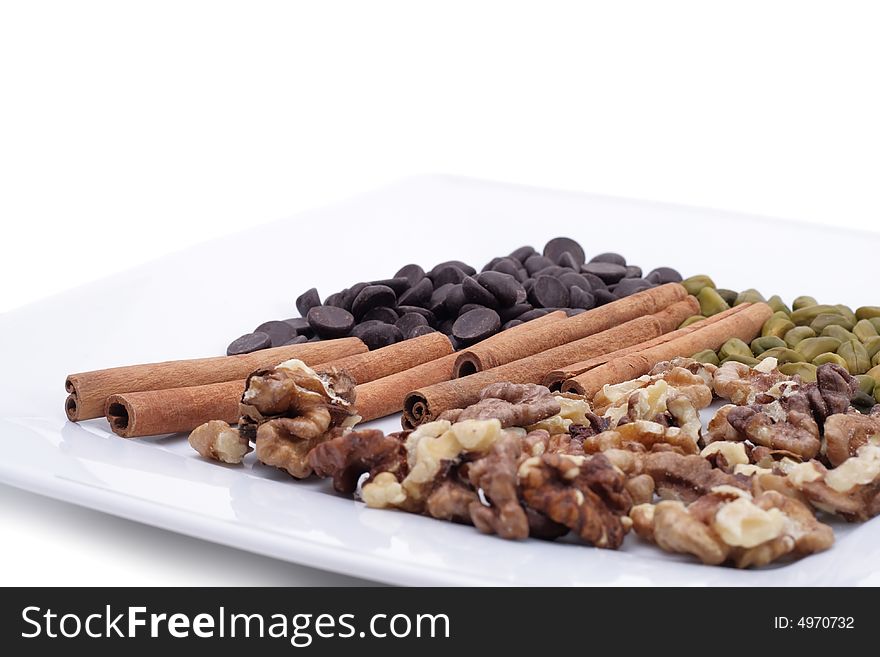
(194, 302)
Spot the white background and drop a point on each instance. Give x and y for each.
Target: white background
(130, 129)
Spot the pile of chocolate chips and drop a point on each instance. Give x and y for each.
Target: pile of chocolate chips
(456, 300)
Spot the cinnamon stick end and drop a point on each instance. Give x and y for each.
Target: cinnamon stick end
(467, 363)
(119, 416)
(573, 386)
(71, 408)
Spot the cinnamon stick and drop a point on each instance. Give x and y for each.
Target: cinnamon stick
(154, 412)
(385, 396)
(89, 390)
(745, 325)
(555, 378)
(427, 402)
(541, 337)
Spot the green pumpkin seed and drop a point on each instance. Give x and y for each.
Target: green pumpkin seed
(696, 283)
(797, 334)
(872, 346)
(706, 356)
(748, 296)
(868, 312)
(693, 319)
(783, 355)
(875, 361)
(762, 344)
(739, 358)
(711, 303)
(862, 403)
(734, 346)
(856, 357)
(777, 326)
(809, 348)
(864, 330)
(866, 383)
(778, 305)
(804, 316)
(804, 302)
(806, 371)
(874, 373)
(828, 357)
(875, 322)
(838, 332)
(831, 319)
(847, 312)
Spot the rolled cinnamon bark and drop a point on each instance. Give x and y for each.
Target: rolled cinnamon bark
(427, 402)
(555, 379)
(541, 337)
(154, 412)
(745, 325)
(89, 390)
(385, 396)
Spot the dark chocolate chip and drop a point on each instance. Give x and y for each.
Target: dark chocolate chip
(503, 287)
(334, 300)
(300, 325)
(528, 284)
(307, 300)
(552, 270)
(521, 295)
(532, 314)
(446, 326)
(299, 339)
(595, 282)
(349, 295)
(663, 275)
(330, 321)
(522, 274)
(633, 271)
(249, 342)
(607, 271)
(548, 292)
(570, 279)
(491, 264)
(466, 268)
(382, 313)
(512, 312)
(418, 295)
(507, 266)
(466, 308)
(412, 273)
(406, 323)
(613, 258)
(476, 293)
(315, 338)
(603, 297)
(278, 332)
(511, 324)
(568, 261)
(424, 312)
(372, 296)
(476, 325)
(377, 334)
(438, 298)
(630, 286)
(523, 253)
(399, 285)
(417, 331)
(536, 263)
(559, 245)
(448, 274)
(580, 298)
(455, 299)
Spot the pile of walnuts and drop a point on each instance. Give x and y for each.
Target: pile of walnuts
(524, 462)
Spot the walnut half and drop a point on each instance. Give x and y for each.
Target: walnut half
(218, 441)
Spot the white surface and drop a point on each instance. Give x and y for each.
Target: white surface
(130, 130)
(162, 482)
